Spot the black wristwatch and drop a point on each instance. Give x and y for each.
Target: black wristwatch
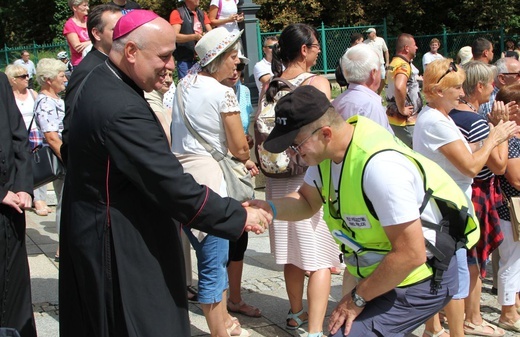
(358, 300)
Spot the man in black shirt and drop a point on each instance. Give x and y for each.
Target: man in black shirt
(189, 23)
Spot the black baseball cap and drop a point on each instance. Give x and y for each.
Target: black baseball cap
(293, 111)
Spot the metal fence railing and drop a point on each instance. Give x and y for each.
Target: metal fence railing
(10, 54)
(334, 42)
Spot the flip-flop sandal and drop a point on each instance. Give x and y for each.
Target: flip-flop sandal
(244, 309)
(295, 317)
(479, 330)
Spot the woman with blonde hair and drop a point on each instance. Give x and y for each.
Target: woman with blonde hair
(25, 98)
(213, 111)
(75, 31)
(50, 110)
(437, 137)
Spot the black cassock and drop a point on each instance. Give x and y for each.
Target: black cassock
(15, 176)
(121, 263)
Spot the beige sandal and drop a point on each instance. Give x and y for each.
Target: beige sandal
(431, 334)
(479, 330)
(236, 330)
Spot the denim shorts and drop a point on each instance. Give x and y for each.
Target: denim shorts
(212, 257)
(463, 271)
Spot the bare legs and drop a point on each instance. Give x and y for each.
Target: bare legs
(234, 270)
(215, 318)
(318, 291)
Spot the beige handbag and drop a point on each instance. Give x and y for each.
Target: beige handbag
(513, 204)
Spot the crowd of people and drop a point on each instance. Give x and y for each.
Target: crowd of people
(410, 197)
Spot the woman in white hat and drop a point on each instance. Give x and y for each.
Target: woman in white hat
(213, 111)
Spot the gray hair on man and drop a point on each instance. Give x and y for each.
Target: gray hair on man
(502, 66)
(358, 62)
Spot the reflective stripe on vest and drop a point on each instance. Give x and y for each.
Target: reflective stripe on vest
(353, 225)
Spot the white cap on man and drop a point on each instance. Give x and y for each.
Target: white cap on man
(370, 30)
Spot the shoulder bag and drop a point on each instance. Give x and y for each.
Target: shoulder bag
(237, 177)
(46, 166)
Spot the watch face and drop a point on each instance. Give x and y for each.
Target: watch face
(359, 302)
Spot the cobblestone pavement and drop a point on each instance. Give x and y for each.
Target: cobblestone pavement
(263, 286)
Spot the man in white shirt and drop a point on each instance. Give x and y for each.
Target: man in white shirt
(362, 70)
(368, 184)
(27, 64)
(262, 70)
(379, 45)
(433, 54)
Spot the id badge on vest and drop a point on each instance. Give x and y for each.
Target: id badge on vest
(357, 221)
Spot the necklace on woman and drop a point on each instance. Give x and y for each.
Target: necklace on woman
(468, 104)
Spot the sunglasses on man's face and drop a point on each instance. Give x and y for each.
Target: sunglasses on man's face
(451, 67)
(241, 66)
(270, 47)
(23, 76)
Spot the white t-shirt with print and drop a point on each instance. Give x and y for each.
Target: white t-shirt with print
(49, 113)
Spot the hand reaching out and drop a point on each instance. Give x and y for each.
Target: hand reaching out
(259, 204)
(258, 219)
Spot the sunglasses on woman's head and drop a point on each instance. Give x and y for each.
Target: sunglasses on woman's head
(451, 67)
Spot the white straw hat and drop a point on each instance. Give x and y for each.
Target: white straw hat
(242, 57)
(465, 55)
(214, 43)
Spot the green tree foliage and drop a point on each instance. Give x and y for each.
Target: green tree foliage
(274, 15)
(25, 21)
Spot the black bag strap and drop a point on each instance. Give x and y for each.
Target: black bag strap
(286, 83)
(32, 120)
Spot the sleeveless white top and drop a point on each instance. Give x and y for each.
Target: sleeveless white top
(26, 108)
